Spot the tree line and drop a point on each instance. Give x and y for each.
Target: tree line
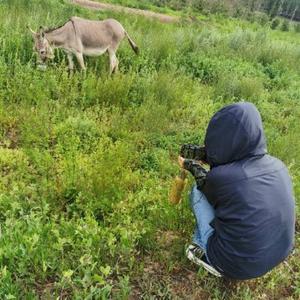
(286, 8)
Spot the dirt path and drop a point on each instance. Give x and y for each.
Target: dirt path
(105, 6)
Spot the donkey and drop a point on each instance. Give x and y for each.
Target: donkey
(79, 37)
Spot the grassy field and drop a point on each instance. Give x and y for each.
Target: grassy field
(86, 161)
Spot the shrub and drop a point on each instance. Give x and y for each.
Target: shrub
(240, 39)
(198, 5)
(260, 17)
(297, 27)
(275, 23)
(76, 132)
(235, 89)
(201, 67)
(285, 26)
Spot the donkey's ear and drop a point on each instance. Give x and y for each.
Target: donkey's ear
(32, 32)
(42, 31)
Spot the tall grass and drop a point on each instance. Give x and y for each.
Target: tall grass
(86, 161)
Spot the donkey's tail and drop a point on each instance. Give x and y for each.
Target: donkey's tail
(134, 47)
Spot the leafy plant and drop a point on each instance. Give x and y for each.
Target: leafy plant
(86, 161)
(285, 26)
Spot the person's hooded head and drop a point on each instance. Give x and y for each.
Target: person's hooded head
(234, 133)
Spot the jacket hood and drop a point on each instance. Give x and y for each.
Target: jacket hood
(234, 133)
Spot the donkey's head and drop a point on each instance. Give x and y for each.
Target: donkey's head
(42, 45)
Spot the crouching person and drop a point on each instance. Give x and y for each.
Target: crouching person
(244, 206)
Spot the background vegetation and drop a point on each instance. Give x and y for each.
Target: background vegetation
(289, 9)
(86, 161)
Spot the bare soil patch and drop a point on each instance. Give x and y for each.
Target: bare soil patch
(118, 8)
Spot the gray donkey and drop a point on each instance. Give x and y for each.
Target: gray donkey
(82, 37)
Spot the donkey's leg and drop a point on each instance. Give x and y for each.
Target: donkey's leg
(71, 62)
(114, 63)
(116, 69)
(80, 59)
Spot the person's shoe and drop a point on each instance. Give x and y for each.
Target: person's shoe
(197, 255)
(194, 253)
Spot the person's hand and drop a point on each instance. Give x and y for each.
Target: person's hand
(181, 162)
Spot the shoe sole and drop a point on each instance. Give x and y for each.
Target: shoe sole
(200, 262)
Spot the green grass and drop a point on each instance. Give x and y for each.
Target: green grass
(86, 161)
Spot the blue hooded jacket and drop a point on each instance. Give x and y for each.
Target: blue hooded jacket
(251, 193)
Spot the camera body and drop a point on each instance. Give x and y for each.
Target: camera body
(195, 152)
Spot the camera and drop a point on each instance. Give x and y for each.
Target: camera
(194, 152)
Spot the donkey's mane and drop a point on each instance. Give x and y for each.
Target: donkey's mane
(55, 28)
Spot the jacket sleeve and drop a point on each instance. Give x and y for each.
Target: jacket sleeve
(197, 171)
